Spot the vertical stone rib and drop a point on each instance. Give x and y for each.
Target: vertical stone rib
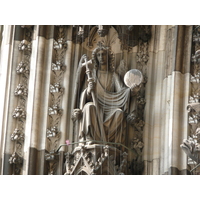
(65, 125)
(166, 101)
(38, 102)
(7, 50)
(30, 104)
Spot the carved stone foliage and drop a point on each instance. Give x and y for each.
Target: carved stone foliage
(196, 36)
(17, 135)
(23, 68)
(58, 66)
(56, 88)
(194, 100)
(21, 92)
(16, 161)
(95, 160)
(103, 30)
(142, 55)
(55, 110)
(19, 113)
(136, 117)
(25, 46)
(80, 32)
(52, 158)
(56, 93)
(191, 146)
(53, 132)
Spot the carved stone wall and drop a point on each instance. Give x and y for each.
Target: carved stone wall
(39, 87)
(191, 144)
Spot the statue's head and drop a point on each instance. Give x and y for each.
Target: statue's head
(102, 55)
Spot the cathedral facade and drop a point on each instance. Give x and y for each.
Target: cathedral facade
(99, 99)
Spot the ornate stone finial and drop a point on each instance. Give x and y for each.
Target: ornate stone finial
(21, 90)
(17, 135)
(80, 31)
(106, 150)
(102, 30)
(52, 132)
(50, 156)
(19, 113)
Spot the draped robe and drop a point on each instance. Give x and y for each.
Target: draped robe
(113, 103)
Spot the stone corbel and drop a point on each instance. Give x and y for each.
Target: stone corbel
(103, 30)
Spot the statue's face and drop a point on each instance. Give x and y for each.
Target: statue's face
(102, 57)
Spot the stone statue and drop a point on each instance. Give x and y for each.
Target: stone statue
(102, 103)
(192, 149)
(192, 146)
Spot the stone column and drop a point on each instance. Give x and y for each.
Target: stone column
(10, 58)
(167, 93)
(37, 105)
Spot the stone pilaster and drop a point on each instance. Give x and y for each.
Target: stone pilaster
(35, 133)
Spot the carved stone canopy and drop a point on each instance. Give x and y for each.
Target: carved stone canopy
(128, 34)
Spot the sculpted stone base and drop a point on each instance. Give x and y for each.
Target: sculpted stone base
(96, 159)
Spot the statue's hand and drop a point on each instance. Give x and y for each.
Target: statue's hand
(77, 114)
(90, 87)
(84, 56)
(135, 88)
(131, 117)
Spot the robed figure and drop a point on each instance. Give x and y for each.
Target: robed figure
(101, 100)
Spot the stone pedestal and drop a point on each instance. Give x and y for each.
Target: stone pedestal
(96, 159)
